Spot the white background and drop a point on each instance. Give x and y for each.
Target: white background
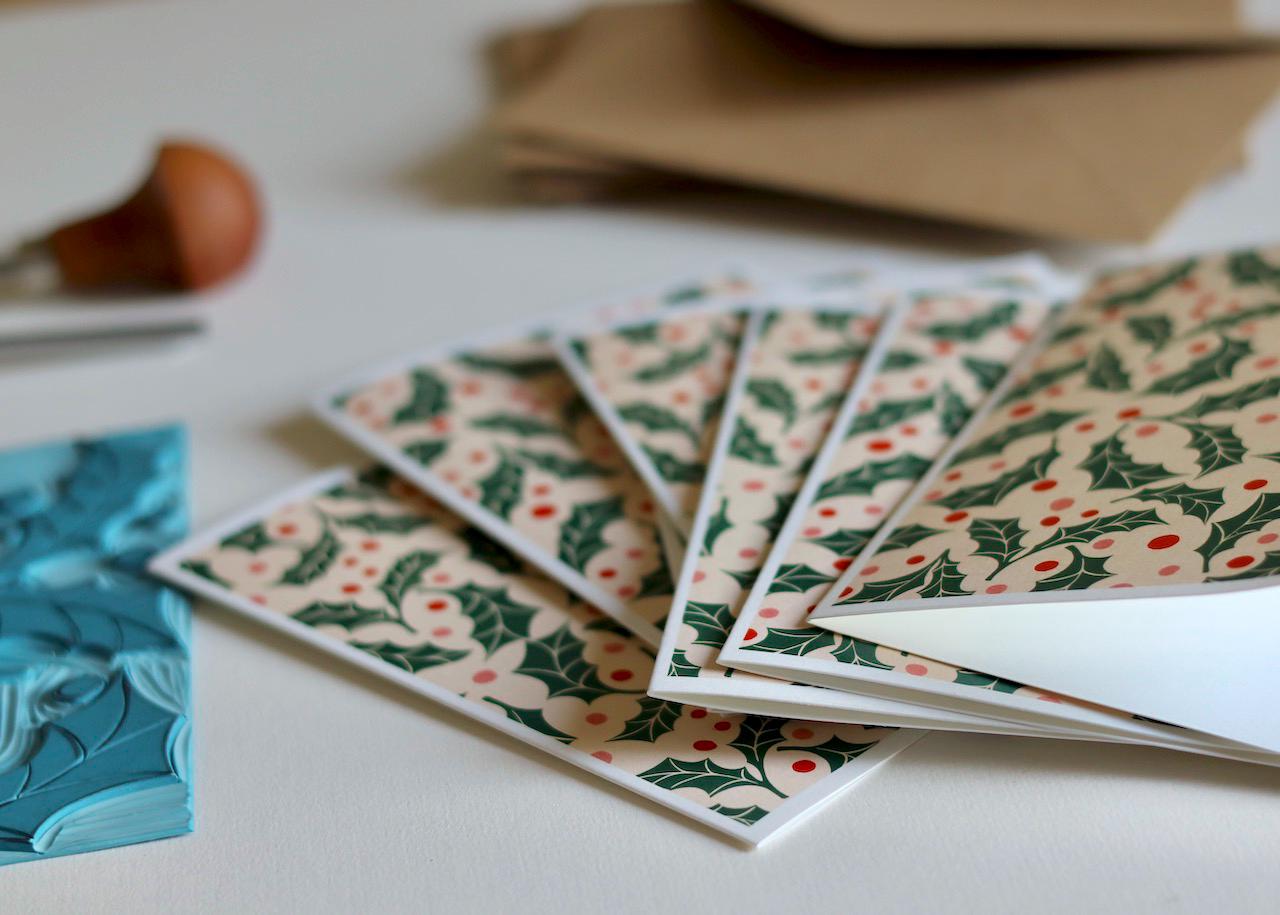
(323, 789)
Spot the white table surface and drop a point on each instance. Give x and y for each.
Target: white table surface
(322, 789)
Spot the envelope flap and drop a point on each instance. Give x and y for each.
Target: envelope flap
(1018, 23)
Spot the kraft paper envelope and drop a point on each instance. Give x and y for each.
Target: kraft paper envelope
(1017, 23)
(1107, 529)
(1090, 145)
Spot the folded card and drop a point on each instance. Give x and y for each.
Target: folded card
(1106, 529)
(94, 658)
(374, 572)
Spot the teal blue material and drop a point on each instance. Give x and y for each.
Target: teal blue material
(94, 654)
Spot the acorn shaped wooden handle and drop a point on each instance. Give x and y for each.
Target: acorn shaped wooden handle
(193, 223)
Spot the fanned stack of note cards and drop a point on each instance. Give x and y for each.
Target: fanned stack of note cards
(733, 543)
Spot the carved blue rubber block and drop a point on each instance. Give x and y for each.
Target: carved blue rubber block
(94, 654)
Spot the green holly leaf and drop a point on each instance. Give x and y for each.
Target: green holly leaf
(533, 719)
(1197, 503)
(1270, 565)
(834, 320)
(746, 445)
(656, 583)
(710, 622)
(1215, 366)
(773, 396)
(756, 737)
(564, 468)
(997, 538)
(1151, 329)
(314, 561)
(604, 624)
(1217, 446)
(717, 525)
(844, 352)
(1081, 572)
(1041, 380)
(796, 642)
(411, 658)
(1068, 332)
(977, 327)
(712, 410)
(986, 373)
(991, 493)
(886, 413)
(1225, 534)
(523, 426)
(946, 581)
(844, 542)
(677, 363)
(953, 412)
(558, 661)
(1148, 290)
(857, 652)
(746, 578)
(496, 617)
(406, 574)
(1223, 322)
(428, 398)
(426, 451)
(252, 538)
(863, 479)
(747, 816)
(347, 614)
(673, 469)
(986, 681)
(658, 419)
(582, 535)
(500, 490)
(1247, 268)
(373, 523)
(654, 718)
(1105, 371)
(680, 665)
(1111, 467)
(205, 571)
(369, 483)
(782, 503)
(907, 535)
(523, 367)
(1231, 401)
(1049, 421)
(1088, 531)
(711, 778)
(836, 751)
(898, 359)
(639, 333)
(798, 578)
(484, 549)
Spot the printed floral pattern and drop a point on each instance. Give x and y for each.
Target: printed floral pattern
(377, 566)
(664, 381)
(802, 365)
(1140, 450)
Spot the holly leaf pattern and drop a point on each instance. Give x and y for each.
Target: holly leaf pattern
(705, 775)
(496, 617)
(564, 468)
(1232, 401)
(1225, 534)
(677, 363)
(797, 642)
(483, 548)
(1214, 366)
(835, 751)
(658, 419)
(374, 523)
(1196, 503)
(1081, 572)
(991, 493)
(712, 410)
(1041, 380)
(656, 583)
(887, 413)
(253, 538)
(907, 535)
(523, 426)
(582, 536)
(1105, 371)
(1148, 290)
(1216, 446)
(673, 469)
(204, 570)
(426, 451)
(953, 413)
(524, 368)
(346, 614)
(1111, 467)
(845, 352)
(857, 652)
(1049, 421)
(986, 681)
(977, 327)
(654, 718)
(681, 666)
(411, 658)
(940, 578)
(773, 396)
(897, 359)
(746, 445)
(428, 398)
(946, 581)
(1247, 268)
(717, 524)
(1088, 531)
(756, 737)
(1154, 330)
(1224, 322)
(986, 373)
(845, 541)
(863, 479)
(558, 661)
(782, 503)
(314, 561)
(710, 622)
(798, 578)
(997, 538)
(532, 718)
(639, 333)
(500, 490)
(747, 816)
(406, 574)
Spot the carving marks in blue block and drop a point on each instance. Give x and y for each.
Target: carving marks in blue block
(94, 656)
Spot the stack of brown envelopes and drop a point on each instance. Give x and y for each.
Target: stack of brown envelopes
(1092, 119)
